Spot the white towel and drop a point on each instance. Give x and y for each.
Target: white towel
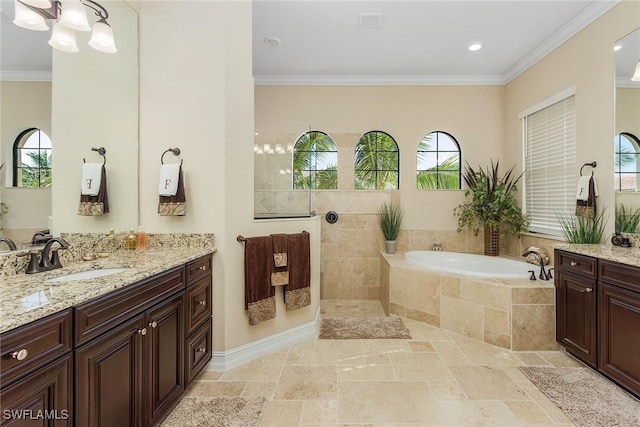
(91, 177)
(583, 187)
(168, 184)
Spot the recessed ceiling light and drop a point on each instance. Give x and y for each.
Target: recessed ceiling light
(617, 47)
(370, 20)
(475, 46)
(271, 41)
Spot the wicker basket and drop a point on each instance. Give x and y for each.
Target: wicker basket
(491, 241)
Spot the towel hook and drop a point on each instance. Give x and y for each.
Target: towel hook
(175, 151)
(101, 151)
(592, 164)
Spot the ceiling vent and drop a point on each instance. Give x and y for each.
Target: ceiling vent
(370, 20)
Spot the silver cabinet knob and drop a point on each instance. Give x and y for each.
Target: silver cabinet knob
(20, 354)
(142, 331)
(573, 264)
(202, 267)
(204, 302)
(588, 290)
(153, 324)
(201, 350)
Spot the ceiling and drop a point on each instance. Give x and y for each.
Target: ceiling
(417, 42)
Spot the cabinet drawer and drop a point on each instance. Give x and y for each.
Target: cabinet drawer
(98, 316)
(580, 264)
(198, 269)
(42, 341)
(198, 351)
(626, 276)
(198, 304)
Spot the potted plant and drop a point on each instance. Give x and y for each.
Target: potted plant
(3, 211)
(491, 205)
(582, 229)
(627, 220)
(390, 217)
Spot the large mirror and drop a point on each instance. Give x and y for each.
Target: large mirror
(627, 136)
(81, 100)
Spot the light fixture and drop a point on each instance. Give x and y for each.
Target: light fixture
(617, 47)
(70, 15)
(271, 41)
(475, 47)
(636, 74)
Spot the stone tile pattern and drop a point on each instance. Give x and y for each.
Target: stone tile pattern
(516, 314)
(438, 378)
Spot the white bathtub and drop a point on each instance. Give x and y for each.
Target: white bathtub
(471, 265)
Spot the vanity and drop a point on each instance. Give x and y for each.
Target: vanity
(116, 350)
(598, 309)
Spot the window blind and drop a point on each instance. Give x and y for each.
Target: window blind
(550, 165)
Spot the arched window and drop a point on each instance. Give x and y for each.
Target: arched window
(315, 162)
(32, 159)
(377, 162)
(627, 162)
(438, 162)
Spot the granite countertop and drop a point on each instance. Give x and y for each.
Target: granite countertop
(27, 297)
(630, 256)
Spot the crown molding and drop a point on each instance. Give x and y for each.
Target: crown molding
(627, 83)
(569, 30)
(299, 80)
(25, 76)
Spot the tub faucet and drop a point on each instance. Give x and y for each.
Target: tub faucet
(543, 274)
(9, 242)
(51, 262)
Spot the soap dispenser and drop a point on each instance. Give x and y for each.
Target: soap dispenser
(132, 240)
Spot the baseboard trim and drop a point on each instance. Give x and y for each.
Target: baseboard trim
(225, 360)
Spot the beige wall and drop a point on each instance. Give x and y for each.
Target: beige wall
(207, 111)
(586, 61)
(23, 105)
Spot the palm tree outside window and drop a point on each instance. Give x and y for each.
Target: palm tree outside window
(32, 159)
(438, 162)
(315, 162)
(627, 162)
(377, 162)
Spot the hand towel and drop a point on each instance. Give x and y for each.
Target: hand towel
(298, 291)
(259, 295)
(279, 271)
(583, 188)
(175, 205)
(91, 177)
(169, 176)
(587, 208)
(96, 205)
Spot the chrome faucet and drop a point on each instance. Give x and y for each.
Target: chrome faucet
(51, 262)
(543, 274)
(9, 242)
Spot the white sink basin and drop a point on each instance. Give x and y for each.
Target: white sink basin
(89, 274)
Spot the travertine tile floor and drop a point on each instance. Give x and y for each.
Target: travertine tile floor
(438, 378)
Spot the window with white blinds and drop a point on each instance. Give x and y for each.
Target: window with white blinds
(550, 162)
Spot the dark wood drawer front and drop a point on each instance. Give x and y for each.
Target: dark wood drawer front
(96, 317)
(198, 351)
(198, 304)
(626, 276)
(575, 263)
(38, 342)
(199, 268)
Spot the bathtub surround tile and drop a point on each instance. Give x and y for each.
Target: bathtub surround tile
(451, 286)
(463, 317)
(485, 293)
(533, 295)
(421, 316)
(533, 327)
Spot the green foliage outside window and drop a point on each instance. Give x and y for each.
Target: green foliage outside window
(377, 162)
(315, 159)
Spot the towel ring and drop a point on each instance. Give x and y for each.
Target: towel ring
(592, 164)
(175, 151)
(100, 150)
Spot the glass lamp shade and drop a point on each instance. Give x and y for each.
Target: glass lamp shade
(73, 15)
(63, 38)
(40, 4)
(102, 37)
(27, 18)
(636, 75)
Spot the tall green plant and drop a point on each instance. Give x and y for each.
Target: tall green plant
(391, 219)
(490, 201)
(581, 229)
(627, 221)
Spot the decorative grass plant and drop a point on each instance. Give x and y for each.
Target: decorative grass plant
(580, 229)
(391, 218)
(627, 220)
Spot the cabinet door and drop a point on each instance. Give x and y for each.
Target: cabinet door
(109, 377)
(619, 327)
(164, 358)
(576, 315)
(42, 398)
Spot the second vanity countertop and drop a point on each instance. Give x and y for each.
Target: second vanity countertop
(629, 256)
(27, 297)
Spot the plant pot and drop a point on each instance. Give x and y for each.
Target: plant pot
(390, 246)
(491, 241)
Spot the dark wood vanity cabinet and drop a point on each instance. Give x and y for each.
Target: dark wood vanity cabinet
(598, 315)
(576, 285)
